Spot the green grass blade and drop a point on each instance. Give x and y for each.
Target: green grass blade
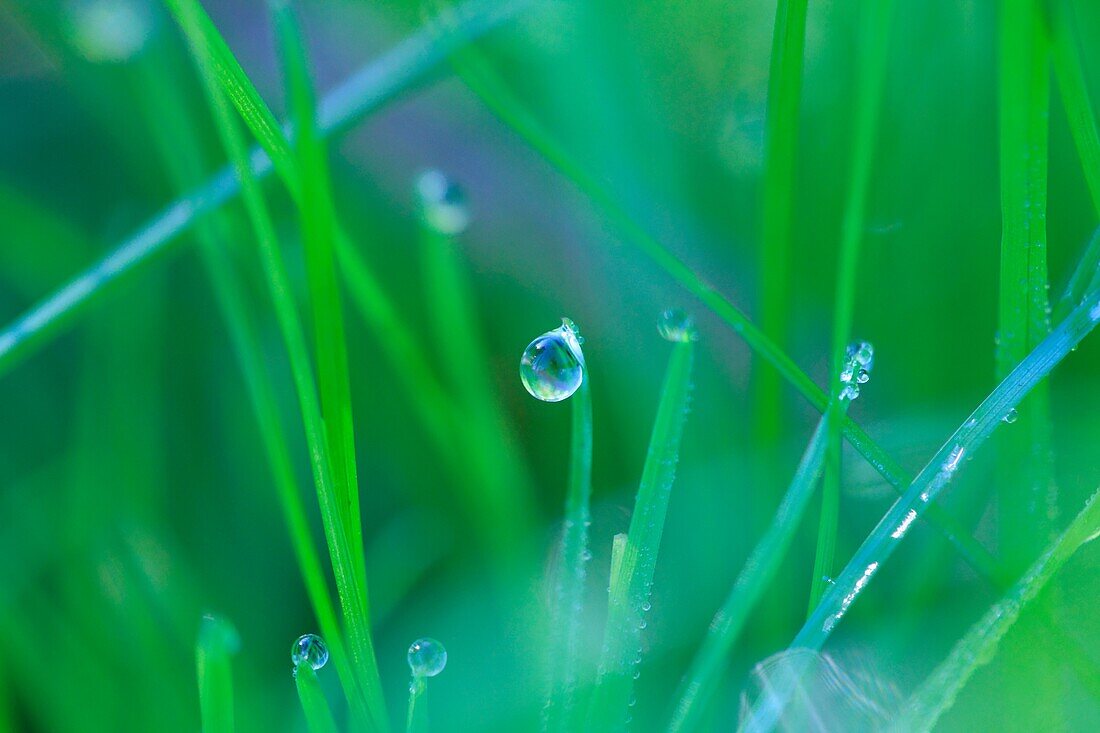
(1084, 278)
(710, 660)
(633, 577)
(217, 643)
(317, 214)
(481, 79)
(780, 144)
(377, 83)
(1065, 57)
(484, 439)
(874, 48)
(1024, 470)
(350, 582)
(314, 704)
(564, 647)
(936, 475)
(173, 131)
(980, 643)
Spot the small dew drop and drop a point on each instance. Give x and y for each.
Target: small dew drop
(586, 555)
(443, 203)
(1011, 416)
(677, 326)
(646, 606)
(427, 658)
(552, 366)
(309, 649)
(859, 359)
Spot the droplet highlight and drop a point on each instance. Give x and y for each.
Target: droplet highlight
(1011, 416)
(552, 366)
(859, 359)
(309, 649)
(443, 203)
(427, 658)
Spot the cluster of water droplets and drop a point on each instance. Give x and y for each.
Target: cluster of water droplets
(443, 203)
(859, 360)
(552, 366)
(309, 649)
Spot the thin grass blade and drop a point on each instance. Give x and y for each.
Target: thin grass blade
(978, 647)
(319, 717)
(933, 479)
(633, 579)
(217, 643)
(710, 660)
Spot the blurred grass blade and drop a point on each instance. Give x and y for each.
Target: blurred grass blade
(1024, 468)
(483, 81)
(567, 608)
(978, 647)
(710, 660)
(874, 45)
(780, 145)
(416, 719)
(936, 475)
(1085, 277)
(367, 704)
(174, 133)
(1065, 56)
(318, 715)
(317, 214)
(217, 643)
(632, 580)
(377, 83)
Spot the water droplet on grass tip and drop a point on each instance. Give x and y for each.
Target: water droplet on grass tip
(1011, 416)
(552, 366)
(677, 326)
(309, 649)
(427, 658)
(443, 203)
(859, 359)
(109, 31)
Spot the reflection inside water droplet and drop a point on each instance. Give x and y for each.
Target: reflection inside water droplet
(309, 649)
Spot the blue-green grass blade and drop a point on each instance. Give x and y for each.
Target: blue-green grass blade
(315, 705)
(710, 660)
(217, 643)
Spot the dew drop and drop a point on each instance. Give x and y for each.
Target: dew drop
(309, 649)
(552, 366)
(586, 555)
(109, 31)
(677, 326)
(646, 606)
(427, 658)
(1011, 416)
(856, 370)
(443, 203)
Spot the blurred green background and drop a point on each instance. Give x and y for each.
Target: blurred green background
(134, 492)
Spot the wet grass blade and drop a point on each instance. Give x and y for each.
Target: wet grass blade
(314, 704)
(710, 660)
(780, 144)
(217, 643)
(317, 215)
(978, 647)
(564, 648)
(483, 81)
(180, 150)
(1024, 463)
(632, 576)
(368, 705)
(936, 475)
(377, 83)
(874, 49)
(1065, 57)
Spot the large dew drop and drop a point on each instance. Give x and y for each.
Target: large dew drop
(309, 649)
(552, 367)
(443, 202)
(427, 658)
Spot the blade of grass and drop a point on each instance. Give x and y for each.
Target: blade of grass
(979, 645)
(1024, 470)
(874, 36)
(780, 145)
(317, 214)
(710, 660)
(376, 84)
(1085, 276)
(565, 624)
(480, 78)
(1065, 57)
(350, 584)
(936, 475)
(314, 704)
(633, 579)
(398, 342)
(217, 643)
(173, 128)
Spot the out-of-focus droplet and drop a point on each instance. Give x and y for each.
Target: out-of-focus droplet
(443, 203)
(109, 31)
(677, 326)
